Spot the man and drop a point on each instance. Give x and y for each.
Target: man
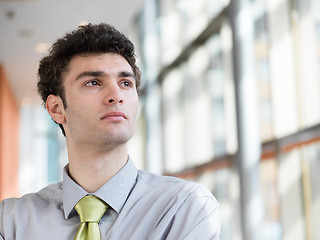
(89, 83)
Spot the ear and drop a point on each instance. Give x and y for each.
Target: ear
(55, 108)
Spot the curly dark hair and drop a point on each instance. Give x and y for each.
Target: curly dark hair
(91, 38)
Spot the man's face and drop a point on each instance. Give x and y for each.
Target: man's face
(102, 100)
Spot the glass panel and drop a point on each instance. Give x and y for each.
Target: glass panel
(216, 84)
(41, 162)
(170, 22)
(197, 105)
(262, 71)
(291, 195)
(282, 63)
(311, 169)
(305, 28)
(181, 21)
(271, 224)
(173, 121)
(195, 18)
(220, 85)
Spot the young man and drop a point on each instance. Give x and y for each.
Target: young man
(89, 84)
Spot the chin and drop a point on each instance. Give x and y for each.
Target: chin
(117, 138)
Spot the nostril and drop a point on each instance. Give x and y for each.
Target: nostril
(111, 100)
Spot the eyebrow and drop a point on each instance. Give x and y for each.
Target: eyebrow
(103, 74)
(126, 74)
(90, 74)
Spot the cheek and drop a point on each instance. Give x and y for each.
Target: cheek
(78, 114)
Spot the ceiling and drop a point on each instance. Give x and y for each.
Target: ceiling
(26, 25)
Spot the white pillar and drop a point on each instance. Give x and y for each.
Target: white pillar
(249, 146)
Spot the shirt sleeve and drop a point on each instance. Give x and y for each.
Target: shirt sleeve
(197, 218)
(1, 220)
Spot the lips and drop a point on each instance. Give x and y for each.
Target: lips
(114, 115)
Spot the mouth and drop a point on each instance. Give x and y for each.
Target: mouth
(114, 116)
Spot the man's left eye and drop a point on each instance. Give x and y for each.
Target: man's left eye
(127, 83)
(92, 83)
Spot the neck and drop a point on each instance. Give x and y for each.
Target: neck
(91, 168)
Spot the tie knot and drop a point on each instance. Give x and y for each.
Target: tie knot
(91, 209)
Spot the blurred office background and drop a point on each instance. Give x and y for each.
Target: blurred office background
(230, 98)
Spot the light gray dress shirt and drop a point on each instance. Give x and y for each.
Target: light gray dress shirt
(141, 206)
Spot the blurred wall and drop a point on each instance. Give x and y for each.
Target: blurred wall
(9, 127)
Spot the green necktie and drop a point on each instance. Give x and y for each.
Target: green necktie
(90, 210)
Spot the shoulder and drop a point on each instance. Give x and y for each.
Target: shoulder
(47, 195)
(30, 208)
(187, 202)
(174, 186)
(154, 180)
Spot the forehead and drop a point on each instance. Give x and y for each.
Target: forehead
(105, 62)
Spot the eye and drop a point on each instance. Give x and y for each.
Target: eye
(127, 83)
(92, 83)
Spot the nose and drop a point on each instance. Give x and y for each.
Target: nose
(113, 94)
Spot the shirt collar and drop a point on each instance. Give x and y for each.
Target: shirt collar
(114, 192)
